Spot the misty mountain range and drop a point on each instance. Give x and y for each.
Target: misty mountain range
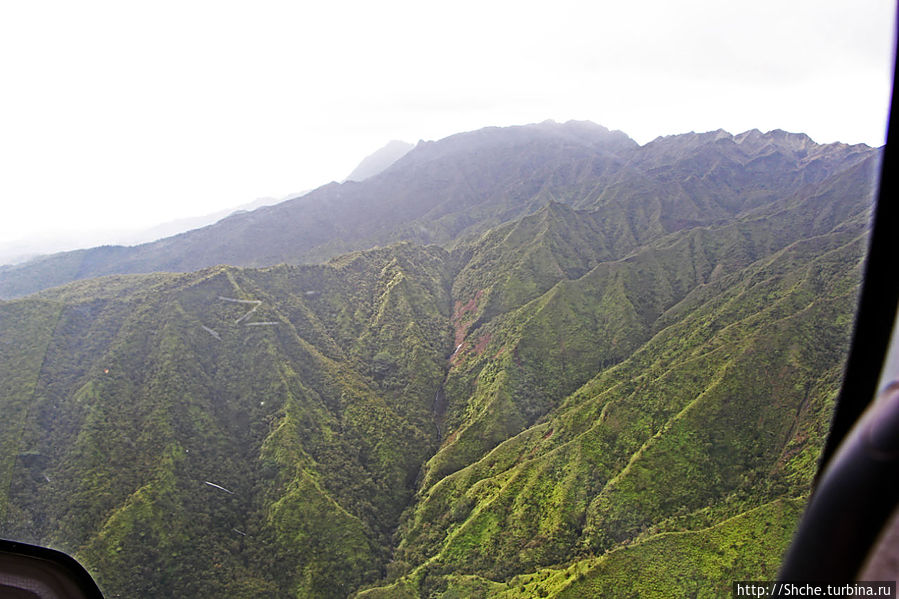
(22, 250)
(457, 188)
(16, 252)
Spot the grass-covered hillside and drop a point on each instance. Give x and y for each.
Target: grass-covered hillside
(620, 392)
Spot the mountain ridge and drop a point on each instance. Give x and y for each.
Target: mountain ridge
(443, 192)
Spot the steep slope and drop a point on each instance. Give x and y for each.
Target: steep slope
(545, 348)
(537, 412)
(459, 187)
(718, 353)
(191, 434)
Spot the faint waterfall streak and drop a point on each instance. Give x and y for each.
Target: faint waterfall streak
(439, 409)
(218, 487)
(211, 332)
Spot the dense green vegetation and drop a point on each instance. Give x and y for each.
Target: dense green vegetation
(615, 383)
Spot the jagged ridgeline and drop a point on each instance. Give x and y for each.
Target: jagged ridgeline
(610, 374)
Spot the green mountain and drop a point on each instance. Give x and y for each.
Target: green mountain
(613, 377)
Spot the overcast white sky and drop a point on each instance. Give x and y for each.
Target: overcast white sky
(118, 114)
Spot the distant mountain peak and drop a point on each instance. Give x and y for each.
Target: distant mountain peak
(380, 160)
(571, 133)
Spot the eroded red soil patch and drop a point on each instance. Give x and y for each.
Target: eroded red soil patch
(463, 316)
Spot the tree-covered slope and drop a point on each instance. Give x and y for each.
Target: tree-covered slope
(544, 409)
(724, 408)
(193, 434)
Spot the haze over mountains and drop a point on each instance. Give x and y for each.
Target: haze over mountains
(459, 187)
(522, 362)
(22, 250)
